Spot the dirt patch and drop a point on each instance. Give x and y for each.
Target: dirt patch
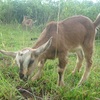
(27, 94)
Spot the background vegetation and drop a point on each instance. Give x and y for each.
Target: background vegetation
(13, 37)
(46, 10)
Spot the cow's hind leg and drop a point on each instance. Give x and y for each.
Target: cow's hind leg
(88, 57)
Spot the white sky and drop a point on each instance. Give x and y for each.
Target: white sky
(80, 0)
(93, 0)
(66, 0)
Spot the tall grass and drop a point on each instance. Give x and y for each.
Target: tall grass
(13, 37)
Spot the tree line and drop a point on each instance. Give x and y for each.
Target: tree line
(46, 10)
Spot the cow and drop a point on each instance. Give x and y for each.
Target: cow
(76, 33)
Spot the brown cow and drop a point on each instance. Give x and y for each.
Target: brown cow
(57, 39)
(27, 22)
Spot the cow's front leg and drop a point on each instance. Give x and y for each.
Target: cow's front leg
(61, 69)
(38, 74)
(80, 58)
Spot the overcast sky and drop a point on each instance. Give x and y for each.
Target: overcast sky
(65, 0)
(79, 0)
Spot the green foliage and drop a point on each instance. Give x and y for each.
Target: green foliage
(44, 11)
(87, 8)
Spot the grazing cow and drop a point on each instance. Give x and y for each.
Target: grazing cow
(27, 22)
(57, 39)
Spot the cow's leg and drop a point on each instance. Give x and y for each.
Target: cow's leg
(61, 69)
(38, 74)
(88, 51)
(80, 57)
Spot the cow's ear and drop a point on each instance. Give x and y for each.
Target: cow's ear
(43, 47)
(9, 53)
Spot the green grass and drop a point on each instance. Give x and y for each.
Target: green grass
(13, 37)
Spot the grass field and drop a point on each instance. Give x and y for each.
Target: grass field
(14, 38)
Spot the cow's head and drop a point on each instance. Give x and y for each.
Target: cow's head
(27, 59)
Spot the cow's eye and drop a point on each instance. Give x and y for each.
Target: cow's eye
(21, 54)
(30, 63)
